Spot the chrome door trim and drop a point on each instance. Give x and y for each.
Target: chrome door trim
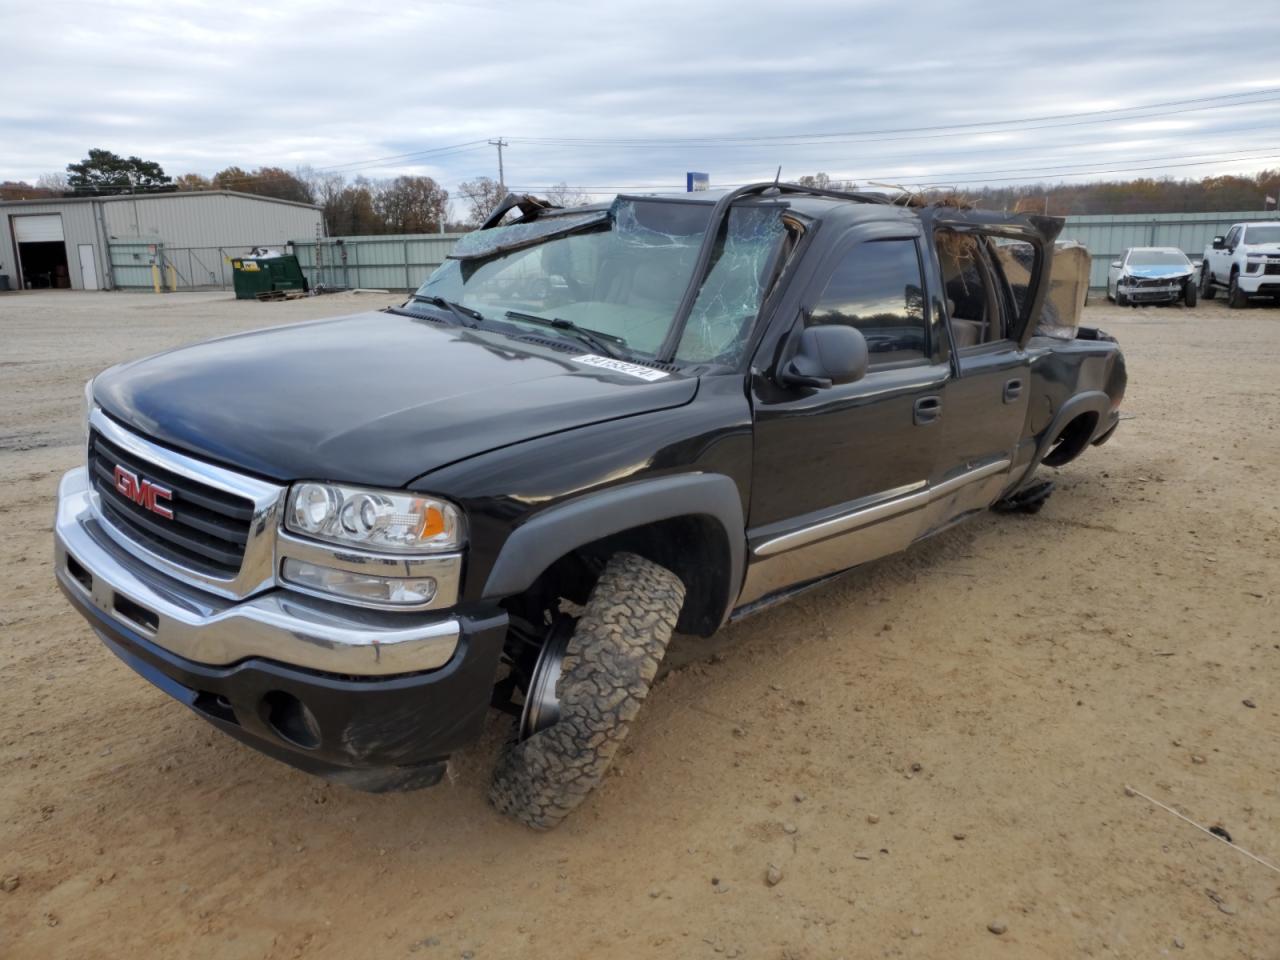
(866, 515)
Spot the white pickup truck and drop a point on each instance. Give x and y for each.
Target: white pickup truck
(1246, 261)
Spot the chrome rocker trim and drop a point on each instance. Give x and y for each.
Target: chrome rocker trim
(279, 625)
(921, 496)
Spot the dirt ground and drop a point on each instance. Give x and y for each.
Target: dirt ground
(936, 743)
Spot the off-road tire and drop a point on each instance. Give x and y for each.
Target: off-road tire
(1189, 295)
(1207, 290)
(1236, 299)
(609, 665)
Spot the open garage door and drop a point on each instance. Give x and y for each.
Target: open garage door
(42, 254)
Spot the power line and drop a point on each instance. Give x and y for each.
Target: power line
(867, 136)
(924, 179)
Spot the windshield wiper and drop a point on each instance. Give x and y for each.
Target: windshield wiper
(464, 315)
(593, 338)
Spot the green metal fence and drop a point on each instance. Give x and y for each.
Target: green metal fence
(399, 262)
(403, 262)
(1109, 236)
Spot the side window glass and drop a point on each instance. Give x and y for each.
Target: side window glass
(972, 306)
(878, 288)
(1016, 262)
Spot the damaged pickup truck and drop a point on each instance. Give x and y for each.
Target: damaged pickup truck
(343, 542)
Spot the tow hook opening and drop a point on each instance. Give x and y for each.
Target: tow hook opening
(79, 574)
(215, 706)
(136, 614)
(290, 720)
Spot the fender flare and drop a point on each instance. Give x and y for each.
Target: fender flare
(536, 544)
(1090, 401)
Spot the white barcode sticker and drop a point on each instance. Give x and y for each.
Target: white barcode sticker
(621, 366)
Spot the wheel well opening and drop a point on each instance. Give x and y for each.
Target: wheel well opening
(694, 548)
(1071, 440)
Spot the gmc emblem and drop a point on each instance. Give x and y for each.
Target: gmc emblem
(143, 492)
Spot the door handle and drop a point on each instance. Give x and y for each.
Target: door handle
(927, 410)
(1012, 390)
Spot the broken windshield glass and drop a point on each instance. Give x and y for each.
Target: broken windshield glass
(720, 323)
(487, 243)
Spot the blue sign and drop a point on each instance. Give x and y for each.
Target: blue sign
(697, 181)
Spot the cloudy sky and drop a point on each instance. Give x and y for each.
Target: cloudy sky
(625, 95)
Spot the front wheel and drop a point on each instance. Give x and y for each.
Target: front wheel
(1236, 298)
(1207, 290)
(1189, 297)
(1121, 299)
(586, 690)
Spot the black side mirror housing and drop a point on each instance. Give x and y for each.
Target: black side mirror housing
(1218, 243)
(827, 355)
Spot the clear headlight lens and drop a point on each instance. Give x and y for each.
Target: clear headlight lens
(360, 587)
(88, 409)
(378, 520)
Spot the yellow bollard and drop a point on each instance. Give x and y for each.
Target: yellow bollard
(155, 277)
(173, 279)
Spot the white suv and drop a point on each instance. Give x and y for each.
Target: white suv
(1246, 261)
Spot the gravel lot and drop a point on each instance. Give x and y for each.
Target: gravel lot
(933, 748)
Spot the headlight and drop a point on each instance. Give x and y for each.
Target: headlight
(364, 588)
(388, 521)
(88, 409)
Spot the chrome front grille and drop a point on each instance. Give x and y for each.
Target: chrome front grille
(222, 532)
(207, 529)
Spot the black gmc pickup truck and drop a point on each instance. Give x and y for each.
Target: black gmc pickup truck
(342, 542)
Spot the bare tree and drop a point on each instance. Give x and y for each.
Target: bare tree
(823, 182)
(484, 194)
(55, 182)
(563, 195)
(192, 181)
(412, 205)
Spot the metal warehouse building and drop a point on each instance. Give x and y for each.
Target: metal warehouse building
(103, 243)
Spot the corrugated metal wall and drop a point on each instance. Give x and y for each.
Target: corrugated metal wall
(403, 262)
(209, 219)
(77, 228)
(197, 232)
(399, 262)
(1108, 236)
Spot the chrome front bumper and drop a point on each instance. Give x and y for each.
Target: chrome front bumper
(278, 625)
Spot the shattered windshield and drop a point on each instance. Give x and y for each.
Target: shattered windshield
(621, 274)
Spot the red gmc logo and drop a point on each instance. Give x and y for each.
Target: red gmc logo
(143, 492)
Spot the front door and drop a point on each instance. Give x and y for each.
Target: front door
(841, 473)
(88, 267)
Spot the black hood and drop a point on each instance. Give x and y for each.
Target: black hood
(376, 398)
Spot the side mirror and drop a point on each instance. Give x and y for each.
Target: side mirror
(1115, 263)
(827, 355)
(1218, 243)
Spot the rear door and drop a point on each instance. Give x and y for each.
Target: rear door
(841, 473)
(986, 401)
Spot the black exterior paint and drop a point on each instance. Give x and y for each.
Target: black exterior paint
(510, 429)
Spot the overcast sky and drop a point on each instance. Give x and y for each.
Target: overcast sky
(199, 86)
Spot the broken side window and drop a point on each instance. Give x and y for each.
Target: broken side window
(729, 300)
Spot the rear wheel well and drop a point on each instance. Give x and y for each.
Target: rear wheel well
(1071, 440)
(694, 547)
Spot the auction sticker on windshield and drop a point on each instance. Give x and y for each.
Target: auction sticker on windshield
(620, 366)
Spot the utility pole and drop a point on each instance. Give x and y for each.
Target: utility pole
(502, 181)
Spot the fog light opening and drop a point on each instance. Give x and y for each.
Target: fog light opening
(290, 719)
(79, 574)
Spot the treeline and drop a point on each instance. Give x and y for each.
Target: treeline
(415, 204)
(1146, 195)
(362, 206)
